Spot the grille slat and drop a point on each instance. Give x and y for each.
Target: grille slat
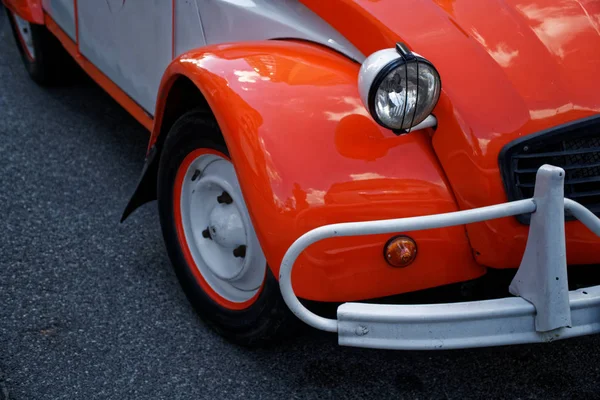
(585, 194)
(575, 147)
(567, 182)
(578, 181)
(551, 154)
(565, 167)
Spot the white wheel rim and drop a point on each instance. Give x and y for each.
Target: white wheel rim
(24, 32)
(219, 256)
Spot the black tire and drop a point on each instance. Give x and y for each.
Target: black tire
(51, 64)
(268, 317)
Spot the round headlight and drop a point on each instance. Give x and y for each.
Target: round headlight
(398, 87)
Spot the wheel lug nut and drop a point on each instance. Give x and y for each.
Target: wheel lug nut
(239, 251)
(206, 234)
(196, 175)
(225, 198)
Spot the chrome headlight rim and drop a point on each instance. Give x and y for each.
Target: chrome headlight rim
(405, 58)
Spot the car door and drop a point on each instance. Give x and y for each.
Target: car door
(63, 13)
(130, 41)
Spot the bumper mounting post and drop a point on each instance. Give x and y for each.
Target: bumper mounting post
(542, 276)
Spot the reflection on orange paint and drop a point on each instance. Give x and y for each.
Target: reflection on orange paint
(29, 10)
(356, 137)
(509, 68)
(307, 155)
(102, 80)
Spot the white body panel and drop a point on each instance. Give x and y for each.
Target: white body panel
(130, 42)
(133, 41)
(63, 12)
(240, 20)
(189, 33)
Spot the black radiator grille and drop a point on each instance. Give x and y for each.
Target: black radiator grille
(575, 147)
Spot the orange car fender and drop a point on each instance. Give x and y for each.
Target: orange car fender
(308, 154)
(29, 10)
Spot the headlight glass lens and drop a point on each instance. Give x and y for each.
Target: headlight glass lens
(407, 95)
(429, 92)
(391, 99)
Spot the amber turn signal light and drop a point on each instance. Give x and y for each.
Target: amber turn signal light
(400, 251)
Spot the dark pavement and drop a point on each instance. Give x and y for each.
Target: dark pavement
(90, 308)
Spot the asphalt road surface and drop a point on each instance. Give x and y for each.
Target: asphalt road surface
(90, 308)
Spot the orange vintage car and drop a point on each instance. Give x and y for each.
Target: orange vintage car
(346, 150)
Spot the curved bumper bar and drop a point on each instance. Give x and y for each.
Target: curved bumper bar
(545, 310)
(460, 325)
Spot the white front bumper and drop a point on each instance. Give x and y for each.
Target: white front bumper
(543, 311)
(460, 325)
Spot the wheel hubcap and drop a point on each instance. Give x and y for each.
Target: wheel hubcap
(226, 226)
(217, 227)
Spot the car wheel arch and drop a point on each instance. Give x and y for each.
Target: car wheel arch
(181, 96)
(254, 90)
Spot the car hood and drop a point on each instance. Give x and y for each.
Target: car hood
(509, 68)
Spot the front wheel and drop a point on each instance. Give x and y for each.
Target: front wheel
(210, 238)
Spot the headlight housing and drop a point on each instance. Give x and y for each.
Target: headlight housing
(399, 88)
